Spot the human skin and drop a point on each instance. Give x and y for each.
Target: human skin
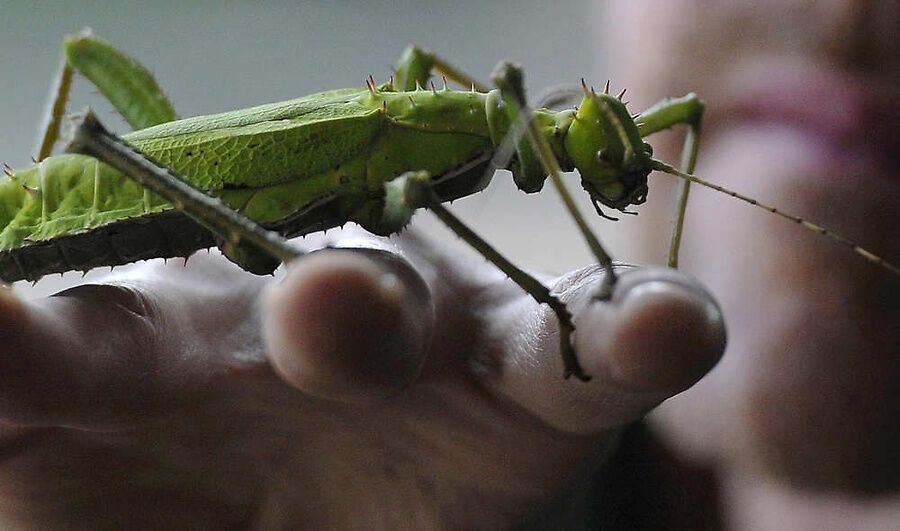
(800, 418)
(396, 387)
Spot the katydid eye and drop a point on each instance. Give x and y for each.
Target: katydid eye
(603, 157)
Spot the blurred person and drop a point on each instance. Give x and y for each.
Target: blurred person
(801, 421)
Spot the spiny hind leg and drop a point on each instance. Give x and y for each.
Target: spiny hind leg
(416, 65)
(244, 241)
(127, 84)
(687, 110)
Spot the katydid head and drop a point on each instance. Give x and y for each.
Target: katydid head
(604, 144)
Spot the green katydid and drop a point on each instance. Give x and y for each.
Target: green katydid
(371, 155)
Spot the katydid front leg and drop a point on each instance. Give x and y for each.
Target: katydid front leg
(537, 161)
(689, 110)
(668, 113)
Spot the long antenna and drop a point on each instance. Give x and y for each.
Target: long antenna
(868, 255)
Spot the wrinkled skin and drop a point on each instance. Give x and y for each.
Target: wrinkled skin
(801, 417)
(365, 389)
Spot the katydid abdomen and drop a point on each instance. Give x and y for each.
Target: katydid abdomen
(297, 166)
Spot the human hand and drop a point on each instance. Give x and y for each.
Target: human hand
(364, 389)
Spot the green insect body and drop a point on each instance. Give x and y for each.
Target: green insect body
(277, 163)
(371, 155)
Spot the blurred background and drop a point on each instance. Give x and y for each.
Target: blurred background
(218, 56)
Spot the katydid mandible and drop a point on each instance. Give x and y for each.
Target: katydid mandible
(372, 155)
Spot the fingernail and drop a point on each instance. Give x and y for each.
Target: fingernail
(671, 331)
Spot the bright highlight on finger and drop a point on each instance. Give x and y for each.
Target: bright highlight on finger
(657, 336)
(348, 325)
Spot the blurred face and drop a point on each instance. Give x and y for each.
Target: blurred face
(803, 110)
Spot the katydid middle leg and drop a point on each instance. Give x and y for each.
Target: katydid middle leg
(414, 190)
